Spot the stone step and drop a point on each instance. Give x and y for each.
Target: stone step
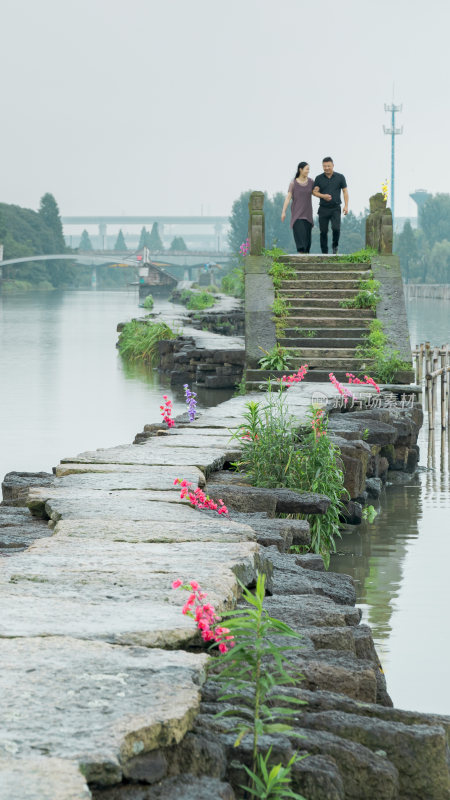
(306, 345)
(310, 301)
(328, 275)
(317, 266)
(312, 376)
(310, 352)
(324, 370)
(356, 314)
(328, 363)
(322, 337)
(319, 284)
(319, 292)
(314, 320)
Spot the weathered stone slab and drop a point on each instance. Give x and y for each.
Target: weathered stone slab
(114, 506)
(153, 454)
(418, 751)
(118, 591)
(39, 778)
(303, 612)
(144, 479)
(201, 529)
(160, 477)
(93, 703)
(39, 499)
(353, 428)
(18, 529)
(249, 498)
(15, 485)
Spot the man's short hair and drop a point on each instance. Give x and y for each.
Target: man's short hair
(327, 158)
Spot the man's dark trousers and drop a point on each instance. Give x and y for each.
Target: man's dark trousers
(325, 215)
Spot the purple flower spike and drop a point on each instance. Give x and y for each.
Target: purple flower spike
(191, 402)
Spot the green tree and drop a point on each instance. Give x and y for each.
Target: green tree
(154, 240)
(49, 213)
(239, 221)
(407, 250)
(278, 234)
(440, 262)
(178, 243)
(434, 218)
(85, 242)
(120, 245)
(144, 238)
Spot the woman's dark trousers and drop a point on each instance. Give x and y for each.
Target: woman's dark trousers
(302, 235)
(327, 215)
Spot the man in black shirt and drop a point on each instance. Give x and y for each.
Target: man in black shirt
(328, 187)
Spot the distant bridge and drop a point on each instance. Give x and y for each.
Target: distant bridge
(182, 266)
(217, 223)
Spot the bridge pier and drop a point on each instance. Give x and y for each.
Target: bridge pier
(102, 229)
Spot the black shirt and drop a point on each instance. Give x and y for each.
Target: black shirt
(331, 186)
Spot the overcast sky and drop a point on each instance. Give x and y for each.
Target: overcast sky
(138, 106)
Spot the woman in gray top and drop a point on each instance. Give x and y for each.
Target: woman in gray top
(300, 192)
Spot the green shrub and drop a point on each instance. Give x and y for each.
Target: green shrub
(381, 361)
(368, 295)
(138, 340)
(200, 300)
(148, 302)
(275, 455)
(363, 256)
(275, 359)
(233, 283)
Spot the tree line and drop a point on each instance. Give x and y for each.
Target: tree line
(425, 252)
(150, 239)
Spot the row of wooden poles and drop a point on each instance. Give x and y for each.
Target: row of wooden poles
(432, 367)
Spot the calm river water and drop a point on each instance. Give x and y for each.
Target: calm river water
(64, 389)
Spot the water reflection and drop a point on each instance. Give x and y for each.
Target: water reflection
(399, 564)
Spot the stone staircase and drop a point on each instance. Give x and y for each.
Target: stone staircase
(318, 331)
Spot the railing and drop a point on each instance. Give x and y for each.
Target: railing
(432, 367)
(437, 291)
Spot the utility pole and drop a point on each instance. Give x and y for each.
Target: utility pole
(393, 132)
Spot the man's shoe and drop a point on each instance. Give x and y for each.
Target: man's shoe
(335, 250)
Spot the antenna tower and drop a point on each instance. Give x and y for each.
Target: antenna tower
(393, 132)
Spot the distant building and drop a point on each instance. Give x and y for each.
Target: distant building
(154, 280)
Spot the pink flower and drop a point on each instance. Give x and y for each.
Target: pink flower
(223, 648)
(177, 583)
(194, 585)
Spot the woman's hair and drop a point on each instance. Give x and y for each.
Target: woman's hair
(302, 165)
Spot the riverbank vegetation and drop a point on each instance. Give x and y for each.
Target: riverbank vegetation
(277, 454)
(138, 340)
(24, 232)
(196, 300)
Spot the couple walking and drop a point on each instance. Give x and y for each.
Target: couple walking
(327, 187)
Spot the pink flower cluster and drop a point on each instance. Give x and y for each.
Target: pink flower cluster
(317, 423)
(204, 615)
(367, 380)
(166, 412)
(297, 378)
(198, 498)
(372, 383)
(346, 393)
(245, 248)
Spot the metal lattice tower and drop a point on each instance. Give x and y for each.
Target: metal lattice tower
(393, 132)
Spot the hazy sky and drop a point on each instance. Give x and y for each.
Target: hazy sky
(140, 106)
